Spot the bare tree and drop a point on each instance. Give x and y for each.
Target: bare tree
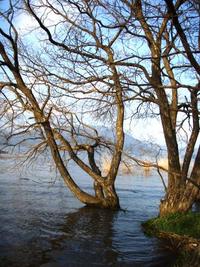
(93, 59)
(55, 95)
(172, 46)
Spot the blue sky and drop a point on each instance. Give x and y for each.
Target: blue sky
(147, 129)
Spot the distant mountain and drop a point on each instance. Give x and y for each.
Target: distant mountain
(132, 146)
(19, 142)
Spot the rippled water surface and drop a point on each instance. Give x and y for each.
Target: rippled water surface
(42, 224)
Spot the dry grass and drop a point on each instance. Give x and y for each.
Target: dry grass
(131, 168)
(125, 167)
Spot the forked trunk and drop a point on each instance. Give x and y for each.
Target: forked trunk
(180, 200)
(182, 192)
(108, 197)
(111, 198)
(173, 204)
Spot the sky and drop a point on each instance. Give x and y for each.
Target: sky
(147, 129)
(143, 129)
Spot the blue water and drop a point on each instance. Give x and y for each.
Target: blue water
(42, 224)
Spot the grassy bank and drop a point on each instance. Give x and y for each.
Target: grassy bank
(186, 224)
(182, 232)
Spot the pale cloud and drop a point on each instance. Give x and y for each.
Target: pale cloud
(25, 23)
(149, 130)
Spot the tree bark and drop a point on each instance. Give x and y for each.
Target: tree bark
(174, 203)
(105, 194)
(180, 199)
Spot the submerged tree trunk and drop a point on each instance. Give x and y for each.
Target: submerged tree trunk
(179, 199)
(175, 203)
(105, 193)
(181, 195)
(111, 197)
(108, 198)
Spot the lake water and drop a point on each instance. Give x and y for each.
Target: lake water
(42, 224)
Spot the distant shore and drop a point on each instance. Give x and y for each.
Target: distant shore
(3, 152)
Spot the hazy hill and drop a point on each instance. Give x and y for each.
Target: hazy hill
(133, 146)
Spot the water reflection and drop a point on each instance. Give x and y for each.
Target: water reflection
(44, 225)
(98, 238)
(196, 206)
(87, 237)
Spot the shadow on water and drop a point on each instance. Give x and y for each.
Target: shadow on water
(83, 238)
(97, 237)
(88, 238)
(46, 226)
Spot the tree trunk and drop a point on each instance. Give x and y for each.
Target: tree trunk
(182, 192)
(98, 190)
(173, 203)
(107, 196)
(198, 197)
(111, 197)
(179, 200)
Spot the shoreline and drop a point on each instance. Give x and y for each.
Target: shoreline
(187, 247)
